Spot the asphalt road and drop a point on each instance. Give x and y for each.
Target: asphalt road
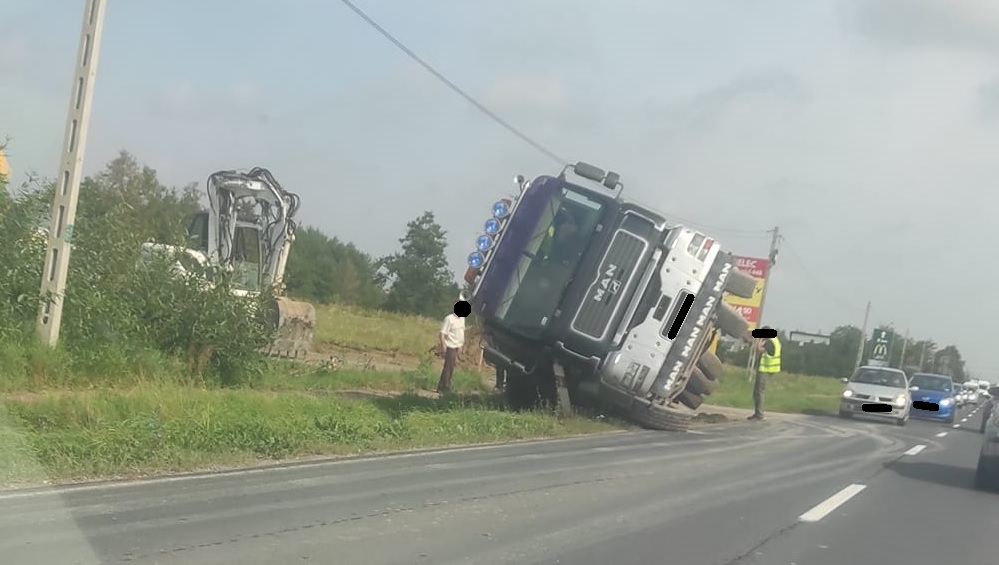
(740, 493)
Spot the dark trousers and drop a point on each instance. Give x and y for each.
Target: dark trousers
(759, 392)
(450, 360)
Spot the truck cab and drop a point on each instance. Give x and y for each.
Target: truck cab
(578, 286)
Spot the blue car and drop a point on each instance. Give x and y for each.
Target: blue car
(935, 389)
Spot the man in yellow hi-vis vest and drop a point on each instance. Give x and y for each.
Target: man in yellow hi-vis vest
(768, 365)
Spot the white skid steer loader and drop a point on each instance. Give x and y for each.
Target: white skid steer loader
(248, 230)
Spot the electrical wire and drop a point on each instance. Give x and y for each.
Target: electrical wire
(458, 90)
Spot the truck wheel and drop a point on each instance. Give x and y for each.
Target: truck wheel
(711, 366)
(740, 283)
(521, 392)
(657, 417)
(690, 400)
(699, 384)
(731, 322)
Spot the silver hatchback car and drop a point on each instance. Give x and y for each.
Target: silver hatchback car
(877, 392)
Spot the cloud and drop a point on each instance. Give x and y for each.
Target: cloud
(705, 110)
(15, 53)
(928, 24)
(988, 95)
(525, 93)
(184, 101)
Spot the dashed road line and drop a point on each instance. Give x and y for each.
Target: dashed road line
(956, 426)
(827, 506)
(914, 450)
(941, 434)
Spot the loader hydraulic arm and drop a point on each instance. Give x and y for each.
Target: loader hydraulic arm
(257, 201)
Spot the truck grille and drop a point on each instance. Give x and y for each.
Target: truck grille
(602, 298)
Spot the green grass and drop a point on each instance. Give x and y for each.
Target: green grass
(121, 413)
(421, 378)
(787, 392)
(61, 436)
(116, 413)
(354, 327)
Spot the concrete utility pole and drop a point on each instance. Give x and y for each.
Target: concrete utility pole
(67, 190)
(905, 342)
(771, 258)
(863, 337)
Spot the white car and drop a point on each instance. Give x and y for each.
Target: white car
(971, 393)
(877, 392)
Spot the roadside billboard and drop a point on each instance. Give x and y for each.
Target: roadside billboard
(750, 307)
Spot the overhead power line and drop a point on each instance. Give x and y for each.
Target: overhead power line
(457, 89)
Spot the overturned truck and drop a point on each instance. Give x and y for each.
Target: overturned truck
(588, 299)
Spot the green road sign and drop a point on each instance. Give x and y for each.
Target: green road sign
(881, 345)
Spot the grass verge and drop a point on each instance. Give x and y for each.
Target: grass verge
(787, 392)
(64, 436)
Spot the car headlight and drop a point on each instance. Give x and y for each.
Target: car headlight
(484, 243)
(847, 393)
(900, 400)
(475, 259)
(947, 402)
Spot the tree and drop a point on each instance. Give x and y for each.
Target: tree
(155, 211)
(418, 279)
(948, 361)
(324, 269)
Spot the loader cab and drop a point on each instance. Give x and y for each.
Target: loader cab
(197, 232)
(245, 258)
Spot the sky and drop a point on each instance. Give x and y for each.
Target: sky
(865, 129)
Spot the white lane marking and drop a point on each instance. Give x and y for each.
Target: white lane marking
(915, 449)
(825, 507)
(964, 420)
(941, 434)
(956, 426)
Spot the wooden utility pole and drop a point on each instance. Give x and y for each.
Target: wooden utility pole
(863, 337)
(771, 258)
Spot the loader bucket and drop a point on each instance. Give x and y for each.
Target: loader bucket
(296, 323)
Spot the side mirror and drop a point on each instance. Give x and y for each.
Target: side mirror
(913, 388)
(994, 391)
(844, 380)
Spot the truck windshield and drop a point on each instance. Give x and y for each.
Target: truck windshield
(549, 261)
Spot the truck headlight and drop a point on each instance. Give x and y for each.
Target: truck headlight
(847, 393)
(947, 402)
(900, 400)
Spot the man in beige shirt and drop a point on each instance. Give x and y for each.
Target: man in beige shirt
(452, 339)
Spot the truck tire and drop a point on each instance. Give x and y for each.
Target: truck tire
(690, 400)
(699, 384)
(521, 392)
(657, 417)
(731, 322)
(711, 366)
(740, 283)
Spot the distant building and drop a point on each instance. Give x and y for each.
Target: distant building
(4, 165)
